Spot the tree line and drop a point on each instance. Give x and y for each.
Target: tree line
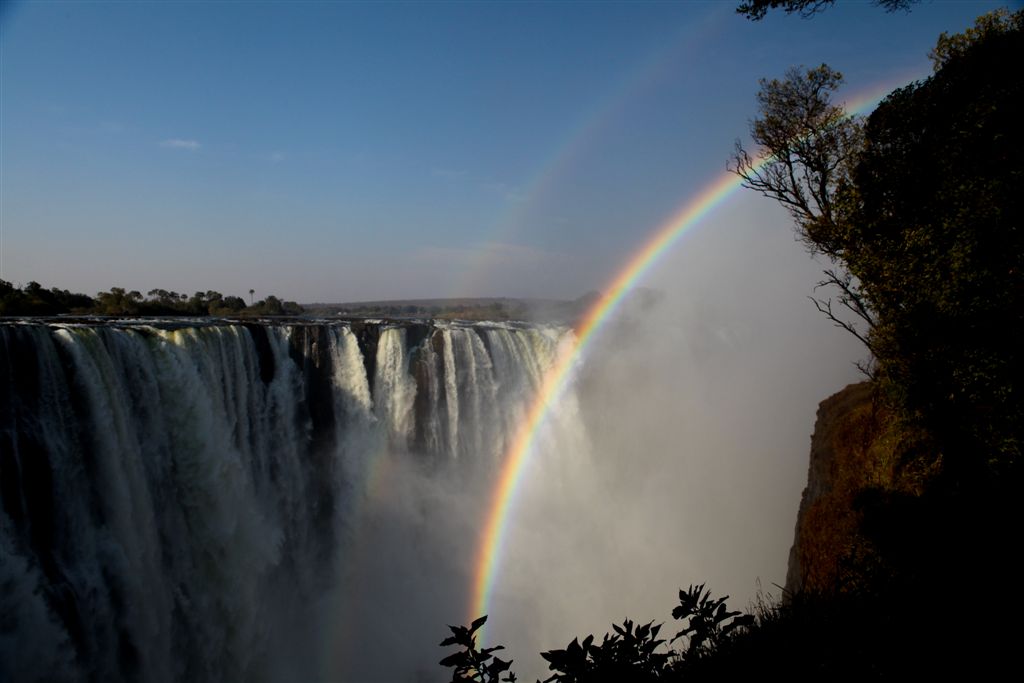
(34, 299)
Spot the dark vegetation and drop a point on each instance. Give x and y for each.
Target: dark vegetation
(633, 652)
(452, 309)
(756, 10)
(917, 210)
(538, 310)
(33, 299)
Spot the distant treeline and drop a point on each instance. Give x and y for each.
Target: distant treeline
(456, 310)
(34, 299)
(491, 309)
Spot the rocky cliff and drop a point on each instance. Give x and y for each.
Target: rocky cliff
(854, 450)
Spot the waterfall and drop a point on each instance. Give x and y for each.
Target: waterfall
(175, 497)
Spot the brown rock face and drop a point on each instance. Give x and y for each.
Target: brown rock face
(853, 450)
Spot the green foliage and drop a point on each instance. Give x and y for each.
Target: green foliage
(811, 145)
(932, 229)
(920, 211)
(470, 664)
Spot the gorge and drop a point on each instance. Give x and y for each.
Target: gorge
(175, 495)
(302, 500)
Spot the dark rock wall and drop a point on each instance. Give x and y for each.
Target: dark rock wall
(853, 451)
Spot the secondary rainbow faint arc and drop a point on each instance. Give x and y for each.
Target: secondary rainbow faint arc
(555, 380)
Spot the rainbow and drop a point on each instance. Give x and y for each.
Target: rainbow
(489, 554)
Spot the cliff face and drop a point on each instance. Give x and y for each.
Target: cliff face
(853, 450)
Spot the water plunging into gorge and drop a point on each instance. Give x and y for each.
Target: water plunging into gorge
(178, 499)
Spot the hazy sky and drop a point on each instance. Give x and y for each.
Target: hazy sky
(341, 151)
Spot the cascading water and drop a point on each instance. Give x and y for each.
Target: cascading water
(176, 499)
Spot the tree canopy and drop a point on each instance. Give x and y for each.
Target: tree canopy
(34, 299)
(810, 148)
(933, 231)
(919, 209)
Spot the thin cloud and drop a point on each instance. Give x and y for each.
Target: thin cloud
(178, 143)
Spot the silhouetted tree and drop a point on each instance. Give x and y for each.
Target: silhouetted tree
(810, 146)
(757, 9)
(118, 302)
(925, 221)
(272, 306)
(33, 299)
(291, 308)
(933, 231)
(920, 212)
(234, 303)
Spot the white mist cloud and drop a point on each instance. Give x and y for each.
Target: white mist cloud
(676, 457)
(405, 570)
(179, 143)
(697, 412)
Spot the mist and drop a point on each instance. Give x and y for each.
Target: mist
(677, 455)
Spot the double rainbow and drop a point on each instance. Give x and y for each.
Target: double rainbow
(489, 554)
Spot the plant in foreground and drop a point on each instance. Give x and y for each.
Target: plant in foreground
(709, 621)
(470, 664)
(628, 655)
(631, 653)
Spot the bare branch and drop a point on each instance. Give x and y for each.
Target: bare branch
(825, 307)
(807, 143)
(807, 149)
(755, 10)
(851, 297)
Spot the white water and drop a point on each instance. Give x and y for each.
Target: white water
(198, 503)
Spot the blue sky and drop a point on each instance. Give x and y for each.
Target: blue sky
(352, 151)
